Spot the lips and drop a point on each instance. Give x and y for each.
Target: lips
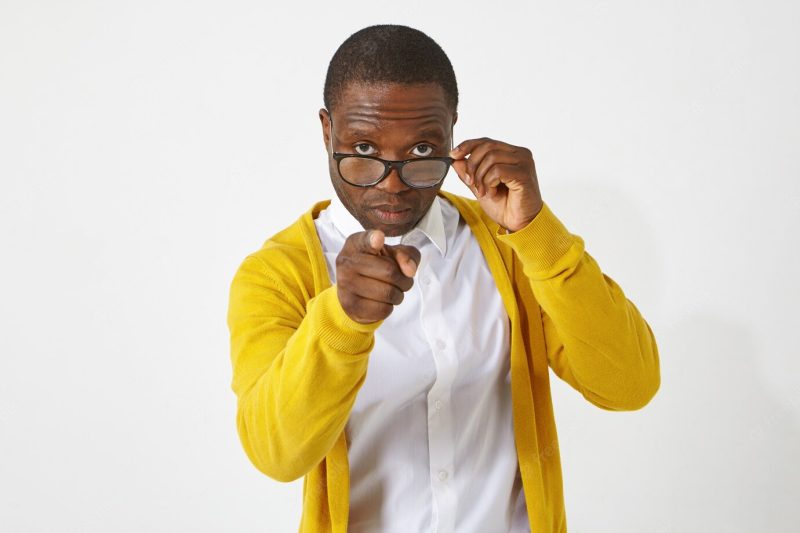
(390, 208)
(392, 214)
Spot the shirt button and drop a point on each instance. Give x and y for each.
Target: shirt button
(440, 344)
(442, 475)
(437, 404)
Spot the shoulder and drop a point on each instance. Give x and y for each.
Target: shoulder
(288, 257)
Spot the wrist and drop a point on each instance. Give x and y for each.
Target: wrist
(526, 221)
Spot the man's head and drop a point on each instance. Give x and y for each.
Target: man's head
(390, 92)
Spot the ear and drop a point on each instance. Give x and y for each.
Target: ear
(325, 121)
(452, 137)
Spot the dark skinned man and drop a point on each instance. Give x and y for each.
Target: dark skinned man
(458, 307)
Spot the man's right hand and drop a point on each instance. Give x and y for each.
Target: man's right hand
(371, 277)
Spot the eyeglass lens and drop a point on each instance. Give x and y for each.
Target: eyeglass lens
(363, 171)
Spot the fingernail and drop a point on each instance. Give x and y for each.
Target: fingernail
(469, 179)
(372, 237)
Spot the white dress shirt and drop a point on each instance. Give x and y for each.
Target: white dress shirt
(430, 437)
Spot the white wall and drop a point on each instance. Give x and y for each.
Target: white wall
(146, 147)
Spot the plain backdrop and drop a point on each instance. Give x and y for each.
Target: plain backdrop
(147, 147)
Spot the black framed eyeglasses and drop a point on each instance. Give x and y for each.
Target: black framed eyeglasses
(367, 170)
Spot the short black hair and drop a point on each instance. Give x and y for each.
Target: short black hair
(389, 53)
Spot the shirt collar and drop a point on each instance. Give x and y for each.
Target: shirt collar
(431, 225)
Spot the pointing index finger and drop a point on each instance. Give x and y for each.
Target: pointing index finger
(372, 242)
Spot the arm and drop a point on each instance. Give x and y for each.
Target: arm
(297, 368)
(597, 341)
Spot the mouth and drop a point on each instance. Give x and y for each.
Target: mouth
(392, 214)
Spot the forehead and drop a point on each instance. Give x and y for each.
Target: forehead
(378, 106)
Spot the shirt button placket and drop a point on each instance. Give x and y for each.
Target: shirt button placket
(440, 424)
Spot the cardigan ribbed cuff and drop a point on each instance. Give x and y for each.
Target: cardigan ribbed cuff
(541, 243)
(337, 329)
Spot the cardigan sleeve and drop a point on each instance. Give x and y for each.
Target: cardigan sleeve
(597, 340)
(297, 367)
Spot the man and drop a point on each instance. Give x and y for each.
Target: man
(392, 345)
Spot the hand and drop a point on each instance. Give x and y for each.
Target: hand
(371, 277)
(503, 179)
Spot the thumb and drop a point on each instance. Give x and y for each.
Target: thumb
(407, 258)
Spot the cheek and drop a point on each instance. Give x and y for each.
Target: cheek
(351, 197)
(356, 197)
(334, 172)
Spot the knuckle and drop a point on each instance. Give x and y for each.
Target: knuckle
(397, 277)
(385, 293)
(351, 240)
(342, 275)
(490, 159)
(345, 298)
(375, 310)
(355, 241)
(347, 252)
(407, 284)
(397, 296)
(387, 270)
(389, 295)
(385, 310)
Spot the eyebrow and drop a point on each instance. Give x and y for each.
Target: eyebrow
(435, 133)
(426, 133)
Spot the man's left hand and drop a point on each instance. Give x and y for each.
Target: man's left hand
(502, 177)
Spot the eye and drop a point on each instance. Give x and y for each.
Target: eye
(424, 150)
(366, 147)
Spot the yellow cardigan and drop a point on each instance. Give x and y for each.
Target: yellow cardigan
(299, 360)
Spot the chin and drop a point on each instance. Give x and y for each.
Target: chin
(390, 230)
(394, 231)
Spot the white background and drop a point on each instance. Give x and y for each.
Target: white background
(146, 147)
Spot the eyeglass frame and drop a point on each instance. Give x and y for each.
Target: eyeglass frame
(388, 165)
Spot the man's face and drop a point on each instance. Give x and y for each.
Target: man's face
(391, 121)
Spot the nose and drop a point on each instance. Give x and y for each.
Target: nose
(392, 183)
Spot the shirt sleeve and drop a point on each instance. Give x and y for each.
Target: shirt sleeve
(297, 367)
(597, 340)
